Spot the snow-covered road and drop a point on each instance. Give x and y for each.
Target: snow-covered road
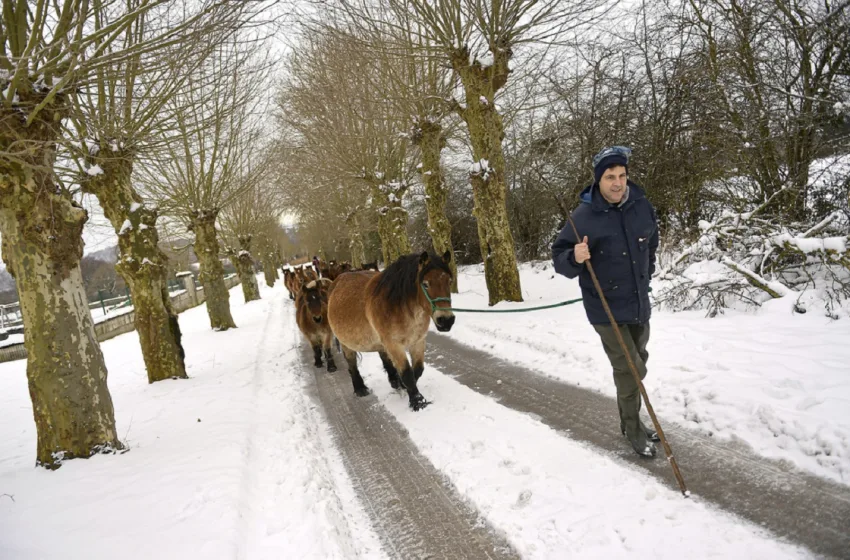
(240, 462)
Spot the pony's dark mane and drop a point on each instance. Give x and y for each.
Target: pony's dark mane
(399, 283)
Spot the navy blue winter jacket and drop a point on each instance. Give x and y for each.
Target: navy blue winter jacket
(622, 243)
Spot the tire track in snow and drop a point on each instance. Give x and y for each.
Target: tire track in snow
(795, 505)
(291, 497)
(412, 506)
(248, 487)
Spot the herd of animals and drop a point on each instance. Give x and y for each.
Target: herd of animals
(367, 310)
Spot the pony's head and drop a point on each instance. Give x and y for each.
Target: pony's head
(423, 280)
(314, 295)
(435, 277)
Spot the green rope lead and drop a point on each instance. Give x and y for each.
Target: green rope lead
(524, 309)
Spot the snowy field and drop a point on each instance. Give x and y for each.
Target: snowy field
(238, 461)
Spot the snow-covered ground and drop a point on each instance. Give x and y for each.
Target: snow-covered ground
(238, 461)
(234, 462)
(777, 380)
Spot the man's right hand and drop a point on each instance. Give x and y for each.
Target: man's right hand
(581, 252)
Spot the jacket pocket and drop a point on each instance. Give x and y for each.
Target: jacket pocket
(643, 241)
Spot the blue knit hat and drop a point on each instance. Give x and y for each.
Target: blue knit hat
(610, 157)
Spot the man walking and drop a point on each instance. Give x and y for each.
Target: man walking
(619, 232)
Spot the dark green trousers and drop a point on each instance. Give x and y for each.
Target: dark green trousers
(628, 394)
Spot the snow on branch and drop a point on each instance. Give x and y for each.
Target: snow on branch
(775, 289)
(744, 259)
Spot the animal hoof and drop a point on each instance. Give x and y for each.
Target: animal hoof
(331, 368)
(395, 383)
(318, 364)
(362, 391)
(418, 403)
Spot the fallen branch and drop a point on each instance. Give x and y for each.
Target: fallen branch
(777, 291)
(821, 226)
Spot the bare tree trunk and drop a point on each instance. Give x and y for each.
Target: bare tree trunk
(431, 143)
(269, 270)
(392, 222)
(486, 131)
(355, 245)
(394, 242)
(141, 263)
(42, 246)
(245, 267)
(212, 272)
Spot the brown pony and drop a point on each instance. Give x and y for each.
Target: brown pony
(289, 280)
(335, 268)
(311, 313)
(296, 277)
(387, 312)
(307, 273)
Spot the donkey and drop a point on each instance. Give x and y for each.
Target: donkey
(311, 314)
(388, 312)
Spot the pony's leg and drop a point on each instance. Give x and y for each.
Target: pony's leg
(417, 354)
(360, 388)
(317, 354)
(392, 372)
(408, 378)
(329, 357)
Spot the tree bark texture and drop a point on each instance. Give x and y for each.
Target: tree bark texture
(42, 230)
(355, 244)
(392, 221)
(245, 267)
(486, 131)
(429, 138)
(269, 270)
(141, 263)
(212, 272)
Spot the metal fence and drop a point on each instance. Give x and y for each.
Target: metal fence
(10, 314)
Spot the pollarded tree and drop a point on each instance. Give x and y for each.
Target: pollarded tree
(323, 203)
(49, 50)
(120, 116)
(243, 220)
(200, 170)
(353, 133)
(478, 38)
(269, 247)
(413, 77)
